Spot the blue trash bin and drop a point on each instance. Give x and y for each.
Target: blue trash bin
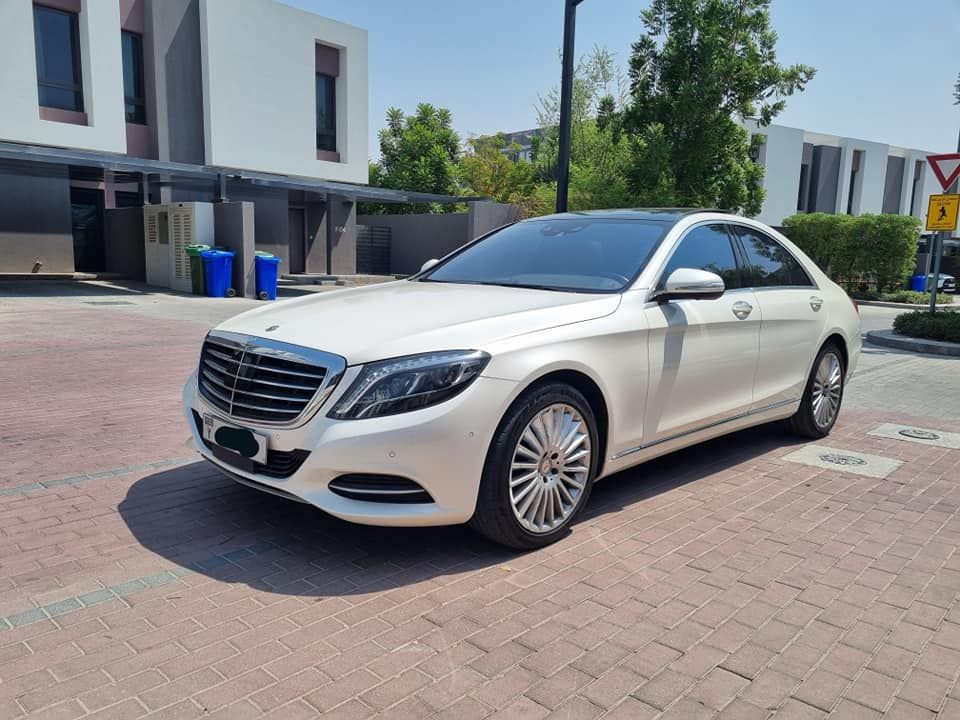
(217, 271)
(266, 269)
(918, 283)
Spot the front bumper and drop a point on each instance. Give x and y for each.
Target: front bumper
(442, 448)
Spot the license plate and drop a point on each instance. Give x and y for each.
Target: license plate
(247, 443)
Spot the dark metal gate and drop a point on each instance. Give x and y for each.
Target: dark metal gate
(373, 250)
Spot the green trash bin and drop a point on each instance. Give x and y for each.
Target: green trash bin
(196, 268)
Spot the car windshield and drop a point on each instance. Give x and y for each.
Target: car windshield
(566, 254)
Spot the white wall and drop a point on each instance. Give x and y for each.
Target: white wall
(259, 89)
(868, 190)
(781, 156)
(100, 58)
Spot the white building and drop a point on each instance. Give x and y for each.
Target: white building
(813, 172)
(116, 103)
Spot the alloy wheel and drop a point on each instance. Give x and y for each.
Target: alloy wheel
(550, 468)
(827, 389)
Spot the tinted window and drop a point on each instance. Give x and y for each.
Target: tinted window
(707, 247)
(58, 59)
(582, 254)
(769, 264)
(133, 94)
(326, 112)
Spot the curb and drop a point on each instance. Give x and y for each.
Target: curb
(906, 306)
(888, 338)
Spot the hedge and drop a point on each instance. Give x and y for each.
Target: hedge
(865, 249)
(913, 297)
(939, 326)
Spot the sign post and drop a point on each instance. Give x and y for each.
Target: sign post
(942, 213)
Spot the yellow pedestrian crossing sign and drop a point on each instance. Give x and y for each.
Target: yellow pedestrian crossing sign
(942, 212)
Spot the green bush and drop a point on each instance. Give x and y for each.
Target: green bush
(872, 249)
(939, 326)
(864, 295)
(915, 298)
(822, 236)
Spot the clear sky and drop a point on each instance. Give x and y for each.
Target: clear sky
(885, 68)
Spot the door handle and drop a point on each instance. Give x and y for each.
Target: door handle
(742, 309)
(816, 303)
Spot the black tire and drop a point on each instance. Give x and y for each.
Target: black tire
(494, 517)
(231, 292)
(804, 422)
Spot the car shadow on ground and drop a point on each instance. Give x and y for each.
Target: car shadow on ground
(198, 519)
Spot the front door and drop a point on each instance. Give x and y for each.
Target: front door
(297, 230)
(702, 353)
(86, 209)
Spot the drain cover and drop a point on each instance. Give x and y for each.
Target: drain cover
(837, 459)
(919, 434)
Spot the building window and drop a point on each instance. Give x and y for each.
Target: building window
(326, 112)
(133, 92)
(59, 80)
(853, 192)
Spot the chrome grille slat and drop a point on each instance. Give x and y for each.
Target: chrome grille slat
(266, 368)
(222, 356)
(274, 383)
(280, 398)
(260, 408)
(217, 395)
(265, 381)
(213, 378)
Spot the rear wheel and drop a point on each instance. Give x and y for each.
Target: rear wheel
(822, 396)
(539, 469)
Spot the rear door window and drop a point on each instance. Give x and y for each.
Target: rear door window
(769, 264)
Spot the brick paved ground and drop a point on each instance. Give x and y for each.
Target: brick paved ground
(718, 582)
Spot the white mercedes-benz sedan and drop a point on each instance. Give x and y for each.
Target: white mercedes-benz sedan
(498, 384)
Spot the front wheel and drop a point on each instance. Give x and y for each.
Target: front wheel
(539, 468)
(822, 396)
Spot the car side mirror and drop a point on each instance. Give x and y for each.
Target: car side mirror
(428, 264)
(690, 284)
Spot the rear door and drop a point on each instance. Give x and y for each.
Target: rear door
(702, 353)
(793, 317)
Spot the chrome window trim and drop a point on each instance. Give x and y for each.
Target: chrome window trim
(334, 365)
(694, 431)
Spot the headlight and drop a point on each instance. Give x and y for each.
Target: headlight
(408, 383)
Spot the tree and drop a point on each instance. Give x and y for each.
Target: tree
(419, 153)
(599, 150)
(492, 168)
(701, 66)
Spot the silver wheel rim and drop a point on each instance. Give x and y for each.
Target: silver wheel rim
(827, 387)
(550, 468)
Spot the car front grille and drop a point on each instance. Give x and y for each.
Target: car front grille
(265, 381)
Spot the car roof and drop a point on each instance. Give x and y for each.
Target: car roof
(668, 215)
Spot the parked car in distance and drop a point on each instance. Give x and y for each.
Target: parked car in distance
(945, 283)
(499, 384)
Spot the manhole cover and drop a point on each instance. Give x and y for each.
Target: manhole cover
(107, 302)
(837, 459)
(919, 434)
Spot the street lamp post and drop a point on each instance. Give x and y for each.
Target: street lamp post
(566, 102)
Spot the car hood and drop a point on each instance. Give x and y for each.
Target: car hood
(404, 317)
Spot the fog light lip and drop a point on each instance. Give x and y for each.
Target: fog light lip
(379, 488)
